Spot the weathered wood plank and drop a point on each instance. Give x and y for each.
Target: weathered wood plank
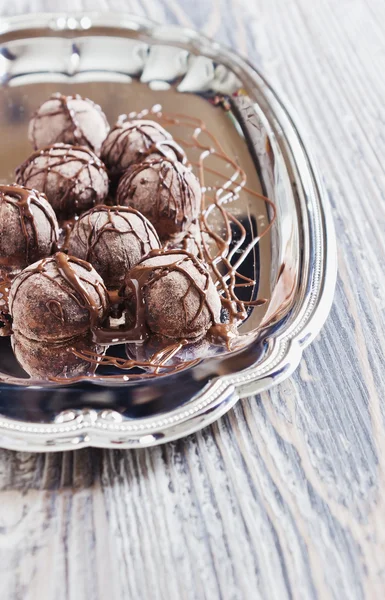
(284, 497)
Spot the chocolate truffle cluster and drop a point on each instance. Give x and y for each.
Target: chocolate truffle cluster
(84, 238)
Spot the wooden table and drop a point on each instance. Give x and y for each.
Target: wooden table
(285, 496)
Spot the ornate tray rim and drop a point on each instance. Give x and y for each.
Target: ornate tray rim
(107, 429)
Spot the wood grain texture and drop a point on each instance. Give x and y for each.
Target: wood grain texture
(285, 496)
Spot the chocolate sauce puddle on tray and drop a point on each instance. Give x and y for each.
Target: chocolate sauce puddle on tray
(218, 250)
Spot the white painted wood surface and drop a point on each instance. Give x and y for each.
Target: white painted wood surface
(285, 496)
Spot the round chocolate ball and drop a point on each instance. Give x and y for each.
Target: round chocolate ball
(28, 227)
(166, 192)
(42, 360)
(73, 178)
(57, 298)
(71, 120)
(179, 297)
(113, 239)
(130, 141)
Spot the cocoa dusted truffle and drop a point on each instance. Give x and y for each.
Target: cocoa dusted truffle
(113, 239)
(131, 141)
(28, 227)
(177, 297)
(63, 360)
(73, 178)
(71, 120)
(166, 192)
(57, 298)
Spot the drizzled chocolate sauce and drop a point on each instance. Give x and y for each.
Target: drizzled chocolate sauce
(156, 365)
(66, 227)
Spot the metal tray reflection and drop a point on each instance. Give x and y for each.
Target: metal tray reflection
(126, 64)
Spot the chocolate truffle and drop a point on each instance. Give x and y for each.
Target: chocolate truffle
(57, 298)
(177, 297)
(73, 178)
(113, 239)
(130, 141)
(71, 120)
(44, 360)
(28, 227)
(166, 192)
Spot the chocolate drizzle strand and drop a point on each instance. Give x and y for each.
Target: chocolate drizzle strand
(154, 366)
(56, 362)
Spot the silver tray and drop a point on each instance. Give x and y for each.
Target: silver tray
(127, 63)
